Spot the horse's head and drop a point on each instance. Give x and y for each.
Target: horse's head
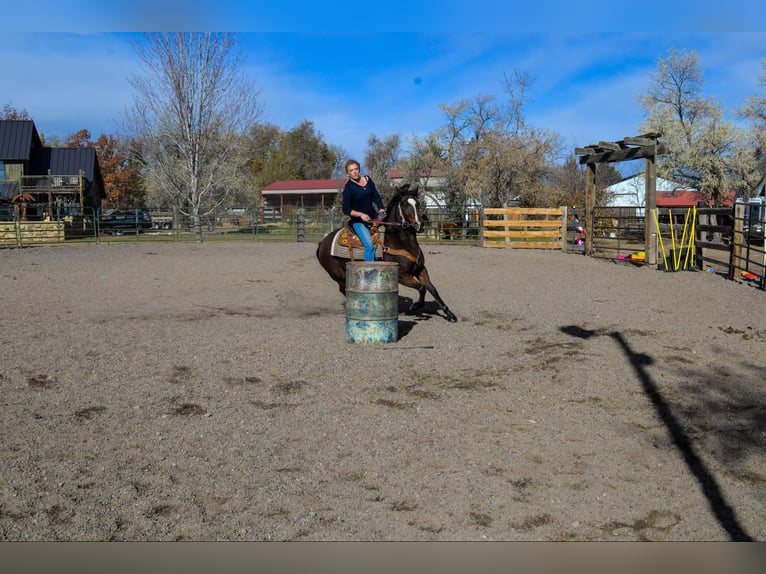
(403, 207)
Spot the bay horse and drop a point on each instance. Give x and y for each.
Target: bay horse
(449, 230)
(400, 244)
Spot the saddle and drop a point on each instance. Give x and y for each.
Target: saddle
(346, 242)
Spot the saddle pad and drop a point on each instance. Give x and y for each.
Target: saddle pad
(338, 250)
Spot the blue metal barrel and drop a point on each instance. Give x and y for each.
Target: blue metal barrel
(372, 301)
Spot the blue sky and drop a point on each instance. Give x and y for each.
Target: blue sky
(355, 69)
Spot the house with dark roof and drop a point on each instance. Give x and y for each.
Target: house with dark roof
(46, 179)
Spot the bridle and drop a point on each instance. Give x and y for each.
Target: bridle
(404, 224)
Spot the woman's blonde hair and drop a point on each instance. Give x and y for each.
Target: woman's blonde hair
(349, 163)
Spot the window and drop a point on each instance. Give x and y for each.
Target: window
(2, 170)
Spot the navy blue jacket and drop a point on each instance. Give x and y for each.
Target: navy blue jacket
(365, 199)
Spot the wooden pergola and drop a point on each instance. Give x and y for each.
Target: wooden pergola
(645, 147)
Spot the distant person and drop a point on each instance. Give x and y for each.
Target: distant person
(362, 203)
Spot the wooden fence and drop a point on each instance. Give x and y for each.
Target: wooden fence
(524, 228)
(714, 231)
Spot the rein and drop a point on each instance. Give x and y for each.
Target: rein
(403, 223)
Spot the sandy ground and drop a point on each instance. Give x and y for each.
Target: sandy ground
(207, 392)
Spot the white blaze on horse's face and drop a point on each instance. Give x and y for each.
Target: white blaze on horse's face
(414, 205)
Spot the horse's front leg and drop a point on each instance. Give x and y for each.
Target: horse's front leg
(409, 280)
(425, 282)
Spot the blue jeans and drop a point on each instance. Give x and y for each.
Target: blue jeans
(363, 233)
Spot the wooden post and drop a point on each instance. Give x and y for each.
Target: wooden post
(590, 206)
(650, 230)
(480, 223)
(737, 240)
(564, 229)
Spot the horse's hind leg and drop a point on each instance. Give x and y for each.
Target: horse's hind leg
(339, 275)
(335, 268)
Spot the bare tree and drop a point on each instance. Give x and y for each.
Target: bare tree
(381, 156)
(11, 113)
(498, 159)
(515, 87)
(190, 107)
(566, 184)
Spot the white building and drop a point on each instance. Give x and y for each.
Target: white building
(631, 192)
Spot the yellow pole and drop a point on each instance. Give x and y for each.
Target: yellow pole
(659, 235)
(690, 241)
(683, 238)
(672, 239)
(693, 235)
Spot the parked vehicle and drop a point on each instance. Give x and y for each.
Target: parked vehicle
(755, 217)
(162, 221)
(125, 221)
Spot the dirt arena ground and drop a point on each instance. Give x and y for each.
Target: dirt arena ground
(157, 392)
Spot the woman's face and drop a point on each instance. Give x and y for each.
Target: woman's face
(353, 171)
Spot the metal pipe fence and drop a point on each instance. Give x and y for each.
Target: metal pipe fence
(310, 224)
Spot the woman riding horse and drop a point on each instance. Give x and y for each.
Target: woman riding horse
(400, 244)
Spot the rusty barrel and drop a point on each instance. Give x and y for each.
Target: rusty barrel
(372, 301)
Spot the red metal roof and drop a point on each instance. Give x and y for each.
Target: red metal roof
(690, 198)
(305, 184)
(687, 198)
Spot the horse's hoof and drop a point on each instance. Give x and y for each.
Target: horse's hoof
(451, 318)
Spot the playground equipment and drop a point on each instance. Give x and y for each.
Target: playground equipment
(635, 257)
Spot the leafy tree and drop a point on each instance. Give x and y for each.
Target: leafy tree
(78, 139)
(191, 106)
(300, 153)
(307, 153)
(120, 170)
(754, 112)
(701, 142)
(265, 163)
